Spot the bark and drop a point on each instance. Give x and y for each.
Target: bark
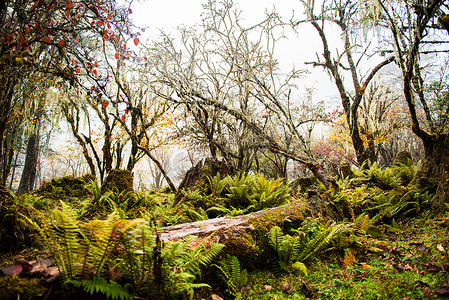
(244, 236)
(434, 174)
(28, 178)
(29, 169)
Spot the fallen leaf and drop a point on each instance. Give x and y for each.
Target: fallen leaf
(443, 291)
(286, 287)
(440, 248)
(12, 270)
(51, 271)
(216, 297)
(267, 287)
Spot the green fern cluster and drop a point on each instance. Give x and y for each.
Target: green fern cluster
(246, 193)
(86, 250)
(307, 241)
(386, 178)
(176, 264)
(232, 274)
(82, 250)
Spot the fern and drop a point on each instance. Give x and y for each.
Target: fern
(185, 264)
(216, 185)
(110, 289)
(349, 259)
(300, 247)
(232, 274)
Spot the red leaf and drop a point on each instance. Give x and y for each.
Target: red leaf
(9, 38)
(109, 16)
(62, 43)
(123, 118)
(92, 88)
(77, 70)
(130, 11)
(116, 55)
(69, 4)
(46, 39)
(136, 41)
(66, 13)
(105, 104)
(95, 72)
(96, 63)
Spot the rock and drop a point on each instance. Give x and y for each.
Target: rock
(403, 157)
(197, 176)
(345, 170)
(118, 180)
(301, 184)
(65, 187)
(216, 297)
(286, 287)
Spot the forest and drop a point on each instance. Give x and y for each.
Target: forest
(205, 163)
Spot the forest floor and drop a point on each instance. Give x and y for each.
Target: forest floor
(392, 247)
(410, 260)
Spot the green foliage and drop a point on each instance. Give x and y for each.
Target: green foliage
(232, 274)
(406, 172)
(183, 264)
(82, 250)
(255, 192)
(112, 290)
(216, 185)
(309, 240)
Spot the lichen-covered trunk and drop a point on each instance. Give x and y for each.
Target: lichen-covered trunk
(29, 170)
(434, 174)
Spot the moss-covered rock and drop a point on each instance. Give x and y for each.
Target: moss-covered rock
(118, 180)
(301, 184)
(14, 287)
(65, 187)
(403, 157)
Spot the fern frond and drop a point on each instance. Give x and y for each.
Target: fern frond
(231, 273)
(275, 238)
(110, 289)
(349, 259)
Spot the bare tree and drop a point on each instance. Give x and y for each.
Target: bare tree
(227, 80)
(345, 63)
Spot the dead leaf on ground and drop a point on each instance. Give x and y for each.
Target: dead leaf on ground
(11, 270)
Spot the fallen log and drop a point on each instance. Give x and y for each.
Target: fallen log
(245, 236)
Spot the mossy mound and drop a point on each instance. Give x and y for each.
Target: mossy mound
(8, 221)
(65, 187)
(118, 180)
(197, 176)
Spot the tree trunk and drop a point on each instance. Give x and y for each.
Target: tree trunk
(434, 174)
(29, 169)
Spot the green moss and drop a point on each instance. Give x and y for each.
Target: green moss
(65, 188)
(13, 287)
(118, 180)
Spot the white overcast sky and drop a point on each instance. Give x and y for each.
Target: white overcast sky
(168, 14)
